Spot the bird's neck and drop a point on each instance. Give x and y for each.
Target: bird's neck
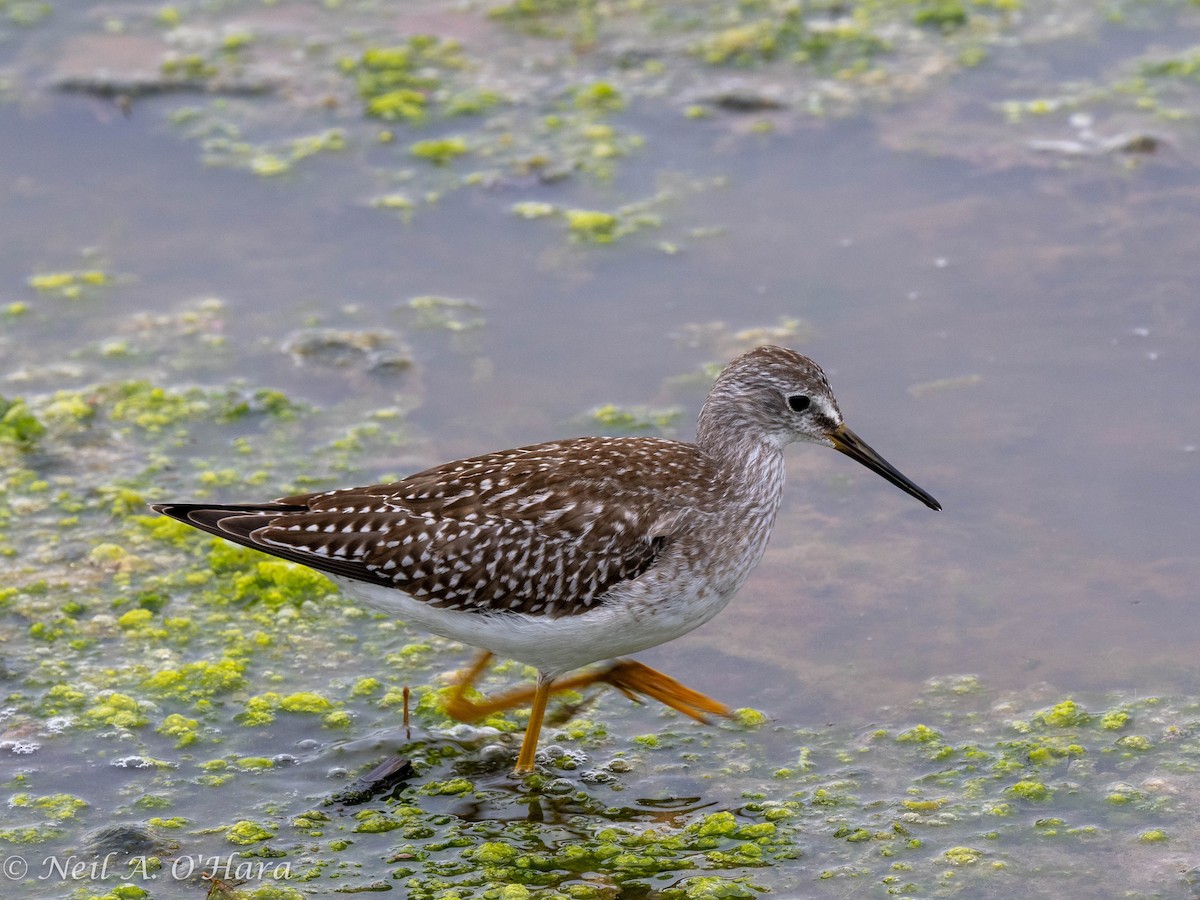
(750, 457)
(748, 482)
(752, 465)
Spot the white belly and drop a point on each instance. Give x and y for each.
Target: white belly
(624, 625)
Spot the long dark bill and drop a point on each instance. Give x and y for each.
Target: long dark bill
(856, 448)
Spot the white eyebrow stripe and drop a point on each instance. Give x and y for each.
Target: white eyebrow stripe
(828, 410)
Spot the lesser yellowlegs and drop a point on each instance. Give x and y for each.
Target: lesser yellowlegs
(571, 552)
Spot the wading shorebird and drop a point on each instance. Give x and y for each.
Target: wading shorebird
(568, 553)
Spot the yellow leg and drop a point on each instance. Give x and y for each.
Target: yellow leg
(457, 704)
(631, 678)
(533, 730)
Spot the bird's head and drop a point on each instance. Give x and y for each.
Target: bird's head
(778, 396)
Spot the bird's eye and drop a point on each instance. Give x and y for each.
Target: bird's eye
(798, 402)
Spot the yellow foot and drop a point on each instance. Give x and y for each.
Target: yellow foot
(632, 678)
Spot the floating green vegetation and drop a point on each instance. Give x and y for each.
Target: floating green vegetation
(235, 42)
(1067, 714)
(962, 856)
(1114, 720)
(146, 406)
(534, 209)
(829, 44)
(547, 112)
(444, 313)
(169, 16)
(398, 104)
(439, 151)
(1185, 66)
(183, 729)
(576, 22)
(397, 82)
(1034, 791)
(25, 12)
(18, 425)
(627, 420)
(551, 135)
(190, 67)
(396, 201)
(246, 832)
(272, 582)
(275, 158)
(209, 60)
(600, 96)
(71, 285)
(1016, 110)
(53, 806)
(841, 38)
(944, 14)
(471, 102)
(195, 683)
(920, 734)
(591, 226)
(120, 710)
(584, 144)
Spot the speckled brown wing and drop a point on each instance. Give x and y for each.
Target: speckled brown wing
(241, 524)
(547, 529)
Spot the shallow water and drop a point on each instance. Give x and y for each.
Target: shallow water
(1018, 333)
(1061, 446)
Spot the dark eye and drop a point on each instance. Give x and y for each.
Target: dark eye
(798, 402)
